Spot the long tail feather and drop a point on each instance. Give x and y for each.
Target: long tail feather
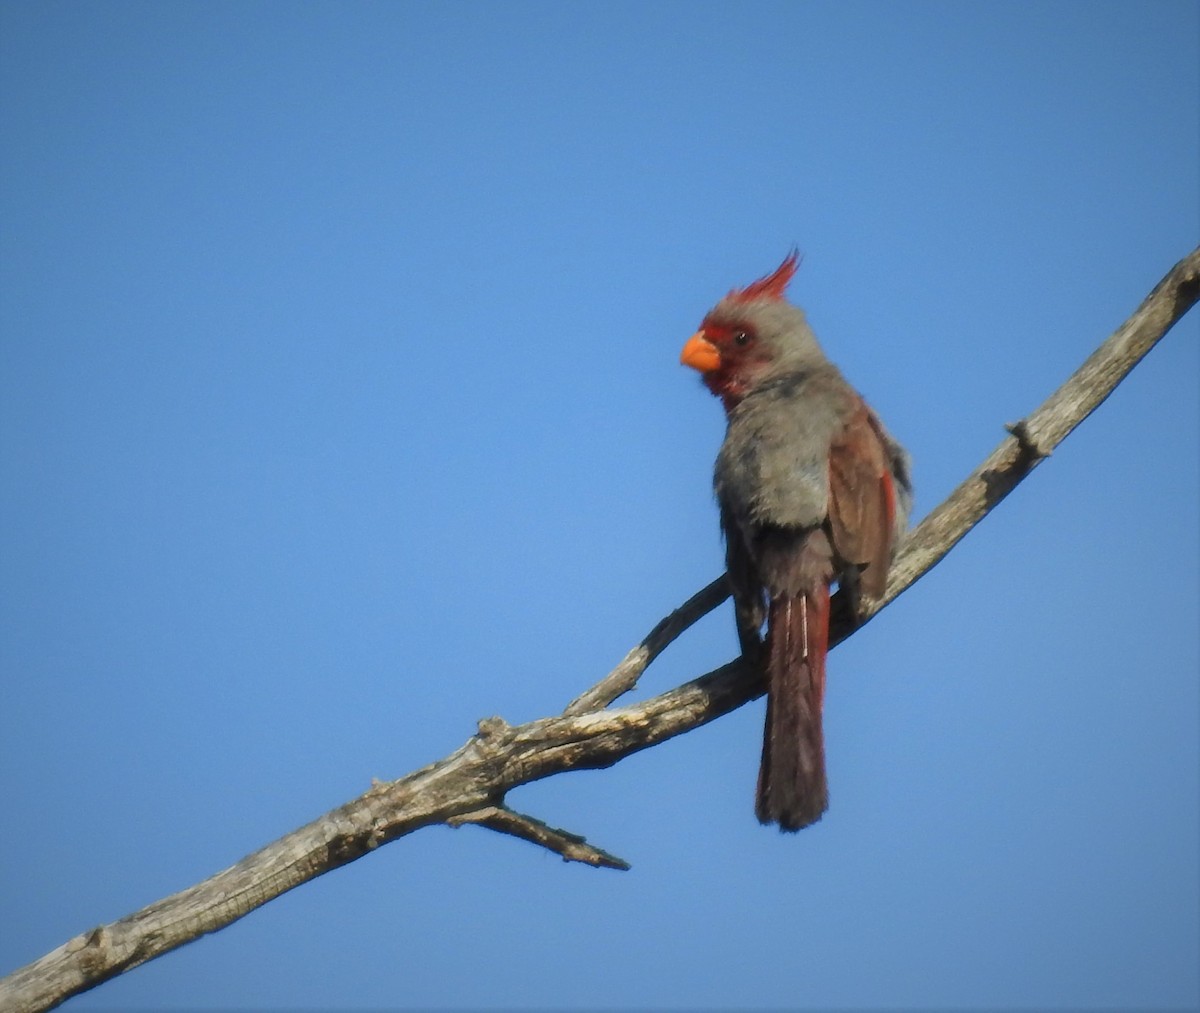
(792, 790)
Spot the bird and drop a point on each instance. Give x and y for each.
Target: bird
(813, 491)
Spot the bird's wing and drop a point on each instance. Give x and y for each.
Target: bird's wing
(862, 499)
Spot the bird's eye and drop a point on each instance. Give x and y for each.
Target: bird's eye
(741, 339)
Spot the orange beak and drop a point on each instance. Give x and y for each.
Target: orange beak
(700, 353)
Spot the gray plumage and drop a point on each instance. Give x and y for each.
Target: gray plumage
(812, 491)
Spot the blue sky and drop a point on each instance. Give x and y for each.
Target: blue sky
(340, 407)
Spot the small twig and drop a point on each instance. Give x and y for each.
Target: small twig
(571, 847)
(625, 676)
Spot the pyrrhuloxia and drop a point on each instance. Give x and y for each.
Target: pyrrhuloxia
(812, 491)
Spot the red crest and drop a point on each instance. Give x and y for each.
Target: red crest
(773, 285)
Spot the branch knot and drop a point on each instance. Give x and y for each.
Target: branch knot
(1029, 448)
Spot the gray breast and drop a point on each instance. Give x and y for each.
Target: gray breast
(773, 467)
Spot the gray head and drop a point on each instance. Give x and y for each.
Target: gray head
(752, 336)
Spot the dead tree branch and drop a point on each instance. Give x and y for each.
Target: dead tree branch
(470, 785)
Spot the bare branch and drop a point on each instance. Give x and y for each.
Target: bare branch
(1036, 436)
(466, 785)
